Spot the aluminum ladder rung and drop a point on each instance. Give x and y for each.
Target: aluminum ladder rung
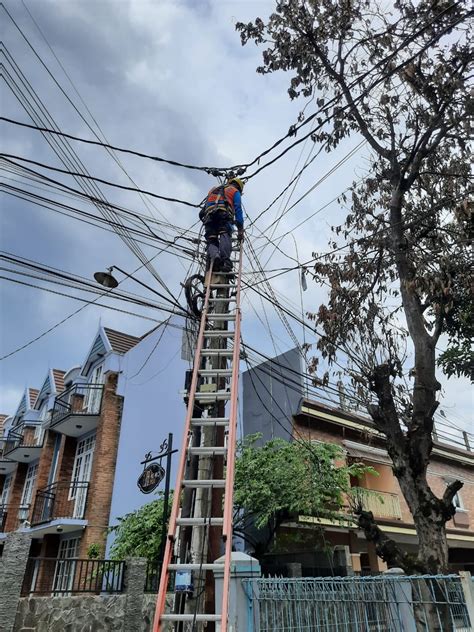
(190, 617)
(218, 333)
(200, 522)
(223, 299)
(215, 372)
(221, 317)
(210, 398)
(202, 482)
(221, 286)
(215, 353)
(209, 421)
(207, 450)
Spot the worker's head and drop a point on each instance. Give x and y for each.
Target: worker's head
(237, 182)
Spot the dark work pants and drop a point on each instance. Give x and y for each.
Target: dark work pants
(219, 241)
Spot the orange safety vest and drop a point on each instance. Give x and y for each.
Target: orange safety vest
(220, 200)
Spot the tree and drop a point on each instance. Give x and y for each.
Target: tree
(281, 478)
(399, 79)
(139, 533)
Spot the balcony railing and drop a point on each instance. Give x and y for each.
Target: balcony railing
(80, 401)
(12, 516)
(381, 504)
(60, 500)
(23, 436)
(57, 576)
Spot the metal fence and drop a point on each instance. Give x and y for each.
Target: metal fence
(152, 579)
(358, 604)
(79, 399)
(60, 500)
(57, 576)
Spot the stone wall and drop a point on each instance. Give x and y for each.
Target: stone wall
(79, 614)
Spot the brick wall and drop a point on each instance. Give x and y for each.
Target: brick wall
(44, 465)
(438, 471)
(103, 468)
(14, 499)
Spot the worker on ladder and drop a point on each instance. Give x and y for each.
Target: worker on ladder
(222, 209)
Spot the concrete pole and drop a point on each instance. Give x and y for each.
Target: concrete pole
(243, 613)
(468, 590)
(403, 618)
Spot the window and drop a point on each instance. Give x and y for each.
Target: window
(94, 395)
(81, 474)
(6, 489)
(43, 419)
(457, 500)
(65, 566)
(28, 490)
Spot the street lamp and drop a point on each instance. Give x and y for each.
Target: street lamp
(106, 278)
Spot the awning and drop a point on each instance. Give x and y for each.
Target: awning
(367, 452)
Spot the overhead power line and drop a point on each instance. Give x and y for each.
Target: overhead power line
(11, 157)
(382, 63)
(209, 170)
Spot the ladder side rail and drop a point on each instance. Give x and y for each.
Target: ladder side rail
(231, 448)
(161, 599)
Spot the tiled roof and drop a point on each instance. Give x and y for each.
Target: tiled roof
(2, 419)
(59, 380)
(33, 392)
(120, 342)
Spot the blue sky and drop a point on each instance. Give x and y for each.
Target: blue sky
(168, 78)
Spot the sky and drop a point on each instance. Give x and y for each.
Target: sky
(166, 78)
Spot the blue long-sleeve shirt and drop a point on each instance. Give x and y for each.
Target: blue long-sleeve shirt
(239, 214)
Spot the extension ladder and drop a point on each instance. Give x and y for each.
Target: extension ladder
(201, 516)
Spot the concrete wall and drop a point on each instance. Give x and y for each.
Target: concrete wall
(271, 395)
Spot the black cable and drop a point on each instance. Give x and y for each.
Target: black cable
(9, 157)
(78, 298)
(63, 150)
(93, 220)
(209, 170)
(146, 202)
(356, 81)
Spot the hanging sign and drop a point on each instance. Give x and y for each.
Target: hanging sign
(150, 478)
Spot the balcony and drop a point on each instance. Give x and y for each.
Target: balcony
(6, 465)
(77, 410)
(12, 516)
(23, 444)
(381, 504)
(60, 501)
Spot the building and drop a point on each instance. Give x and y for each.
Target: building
(71, 452)
(277, 404)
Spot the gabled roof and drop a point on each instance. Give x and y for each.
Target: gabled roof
(2, 419)
(120, 342)
(52, 385)
(58, 376)
(33, 394)
(108, 341)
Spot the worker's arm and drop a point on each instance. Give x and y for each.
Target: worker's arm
(239, 214)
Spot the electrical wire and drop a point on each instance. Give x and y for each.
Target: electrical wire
(11, 157)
